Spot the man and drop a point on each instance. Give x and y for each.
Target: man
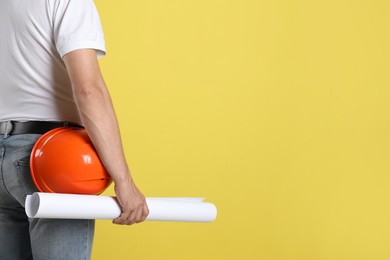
(50, 77)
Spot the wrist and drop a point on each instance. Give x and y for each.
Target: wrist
(123, 180)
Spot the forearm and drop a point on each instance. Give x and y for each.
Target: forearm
(97, 112)
(98, 117)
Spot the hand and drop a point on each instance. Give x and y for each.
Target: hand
(133, 203)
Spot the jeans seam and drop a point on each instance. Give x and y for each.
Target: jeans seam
(19, 165)
(20, 181)
(2, 173)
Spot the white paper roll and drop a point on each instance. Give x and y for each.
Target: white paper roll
(71, 206)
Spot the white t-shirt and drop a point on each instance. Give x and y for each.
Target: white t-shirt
(34, 36)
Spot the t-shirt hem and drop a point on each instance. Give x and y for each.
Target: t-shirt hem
(99, 48)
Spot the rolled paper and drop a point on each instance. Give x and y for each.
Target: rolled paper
(73, 206)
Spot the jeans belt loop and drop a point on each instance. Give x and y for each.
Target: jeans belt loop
(8, 128)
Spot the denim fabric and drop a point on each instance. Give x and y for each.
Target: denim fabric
(40, 239)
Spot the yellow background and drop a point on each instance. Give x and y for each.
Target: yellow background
(276, 111)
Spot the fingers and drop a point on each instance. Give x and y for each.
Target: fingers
(133, 203)
(145, 212)
(134, 216)
(125, 219)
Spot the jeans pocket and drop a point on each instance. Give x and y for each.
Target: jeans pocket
(25, 181)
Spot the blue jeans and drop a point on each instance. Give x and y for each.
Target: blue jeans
(39, 239)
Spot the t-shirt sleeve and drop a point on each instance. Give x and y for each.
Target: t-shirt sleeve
(76, 25)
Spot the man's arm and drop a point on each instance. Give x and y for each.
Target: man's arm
(98, 117)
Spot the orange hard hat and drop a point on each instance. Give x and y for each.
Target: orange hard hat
(64, 160)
